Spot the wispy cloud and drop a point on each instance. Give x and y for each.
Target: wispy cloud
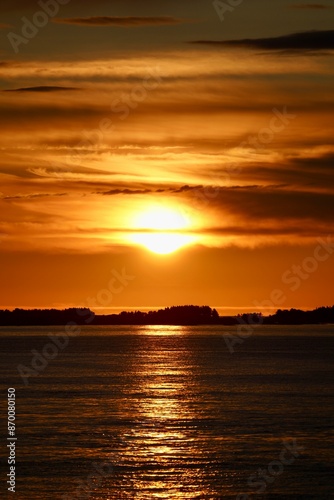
(15, 5)
(266, 202)
(312, 6)
(31, 196)
(43, 88)
(123, 22)
(113, 192)
(306, 41)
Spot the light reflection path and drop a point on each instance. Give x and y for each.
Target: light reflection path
(163, 447)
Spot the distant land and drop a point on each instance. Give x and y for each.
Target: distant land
(175, 315)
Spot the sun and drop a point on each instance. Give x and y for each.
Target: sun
(162, 243)
(161, 218)
(162, 230)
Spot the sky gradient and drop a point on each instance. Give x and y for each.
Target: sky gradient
(127, 125)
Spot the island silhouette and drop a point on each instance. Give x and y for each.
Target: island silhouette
(175, 315)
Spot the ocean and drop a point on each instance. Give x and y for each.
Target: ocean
(159, 412)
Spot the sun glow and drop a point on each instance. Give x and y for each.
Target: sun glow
(162, 230)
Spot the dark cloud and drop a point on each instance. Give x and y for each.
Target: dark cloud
(44, 88)
(312, 6)
(124, 22)
(32, 196)
(256, 203)
(42, 114)
(186, 188)
(7, 64)
(277, 230)
(16, 5)
(326, 160)
(149, 190)
(302, 173)
(113, 192)
(305, 41)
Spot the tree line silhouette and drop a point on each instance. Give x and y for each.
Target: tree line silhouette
(175, 315)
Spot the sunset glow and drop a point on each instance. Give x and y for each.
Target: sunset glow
(127, 133)
(161, 222)
(161, 218)
(167, 249)
(162, 243)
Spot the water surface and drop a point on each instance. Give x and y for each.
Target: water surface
(170, 413)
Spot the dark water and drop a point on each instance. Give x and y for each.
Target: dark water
(169, 413)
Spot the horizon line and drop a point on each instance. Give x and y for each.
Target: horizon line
(118, 310)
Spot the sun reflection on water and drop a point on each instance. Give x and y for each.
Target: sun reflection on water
(160, 442)
(165, 330)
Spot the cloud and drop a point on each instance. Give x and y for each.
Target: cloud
(318, 162)
(113, 192)
(312, 6)
(245, 215)
(124, 22)
(7, 64)
(305, 41)
(302, 173)
(254, 204)
(250, 231)
(31, 196)
(30, 5)
(44, 88)
(17, 5)
(273, 205)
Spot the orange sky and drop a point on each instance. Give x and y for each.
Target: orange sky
(165, 128)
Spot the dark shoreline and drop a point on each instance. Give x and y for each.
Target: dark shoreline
(170, 316)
